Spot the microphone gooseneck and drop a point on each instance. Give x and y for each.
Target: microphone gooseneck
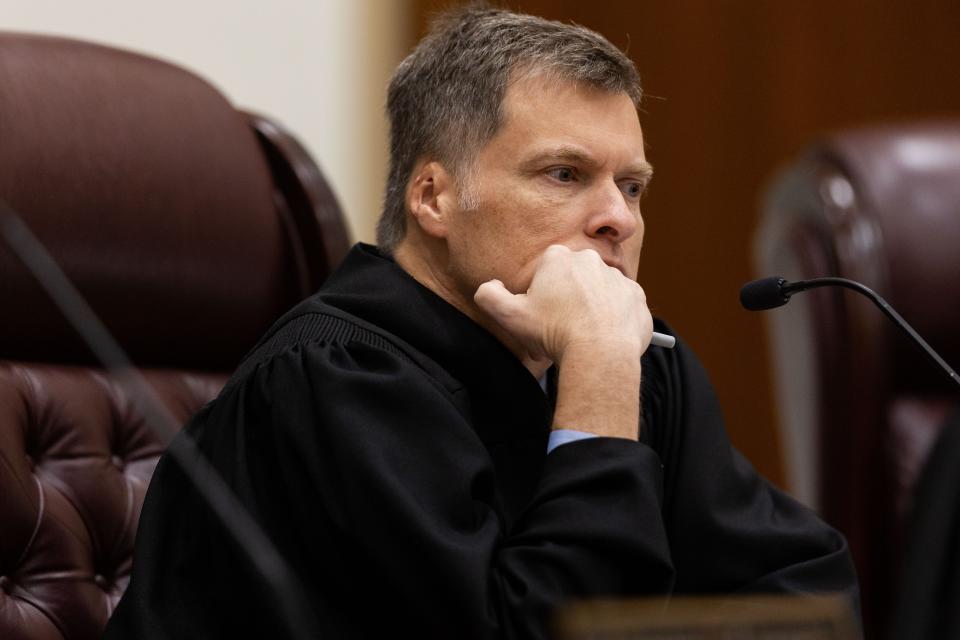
(772, 292)
(295, 612)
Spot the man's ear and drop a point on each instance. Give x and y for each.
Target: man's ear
(431, 198)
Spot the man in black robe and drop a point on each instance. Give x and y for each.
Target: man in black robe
(452, 437)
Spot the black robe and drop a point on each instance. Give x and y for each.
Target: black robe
(395, 452)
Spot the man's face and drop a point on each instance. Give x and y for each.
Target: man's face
(567, 167)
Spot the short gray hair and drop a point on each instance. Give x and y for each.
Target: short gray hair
(445, 99)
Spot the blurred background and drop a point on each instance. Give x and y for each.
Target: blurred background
(734, 90)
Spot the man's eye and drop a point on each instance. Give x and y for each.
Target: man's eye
(563, 174)
(632, 189)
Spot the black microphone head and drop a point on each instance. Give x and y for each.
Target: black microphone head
(767, 293)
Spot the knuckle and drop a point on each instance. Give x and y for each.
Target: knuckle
(591, 254)
(485, 291)
(556, 250)
(640, 297)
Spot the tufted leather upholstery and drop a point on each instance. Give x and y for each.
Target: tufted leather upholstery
(76, 461)
(189, 226)
(861, 405)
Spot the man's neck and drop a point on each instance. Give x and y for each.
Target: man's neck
(424, 270)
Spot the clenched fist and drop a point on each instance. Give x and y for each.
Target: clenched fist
(574, 301)
(594, 323)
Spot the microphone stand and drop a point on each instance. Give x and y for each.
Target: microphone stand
(787, 289)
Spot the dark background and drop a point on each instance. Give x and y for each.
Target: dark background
(735, 90)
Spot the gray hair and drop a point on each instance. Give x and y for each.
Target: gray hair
(445, 99)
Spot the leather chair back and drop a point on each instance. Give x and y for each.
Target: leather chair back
(860, 404)
(189, 226)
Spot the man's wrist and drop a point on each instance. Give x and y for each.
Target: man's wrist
(603, 351)
(599, 392)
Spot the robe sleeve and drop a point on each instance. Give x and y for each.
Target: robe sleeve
(730, 530)
(365, 436)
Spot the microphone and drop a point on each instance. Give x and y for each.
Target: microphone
(764, 294)
(246, 532)
(772, 292)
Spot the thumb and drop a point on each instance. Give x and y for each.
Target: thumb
(496, 301)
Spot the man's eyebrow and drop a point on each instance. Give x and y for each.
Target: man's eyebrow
(644, 170)
(574, 155)
(562, 152)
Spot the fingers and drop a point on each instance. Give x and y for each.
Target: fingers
(514, 315)
(496, 301)
(573, 298)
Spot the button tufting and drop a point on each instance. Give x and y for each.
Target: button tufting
(101, 582)
(118, 462)
(6, 584)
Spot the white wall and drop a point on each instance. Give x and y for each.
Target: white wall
(318, 66)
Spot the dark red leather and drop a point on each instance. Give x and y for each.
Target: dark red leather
(307, 204)
(189, 226)
(881, 206)
(75, 461)
(93, 139)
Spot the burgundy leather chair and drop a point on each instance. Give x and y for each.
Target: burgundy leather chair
(861, 405)
(189, 226)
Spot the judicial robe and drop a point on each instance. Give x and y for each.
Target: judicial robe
(395, 453)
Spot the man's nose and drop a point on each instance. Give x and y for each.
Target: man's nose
(614, 217)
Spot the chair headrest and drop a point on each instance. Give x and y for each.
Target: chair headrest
(906, 183)
(151, 191)
(880, 205)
